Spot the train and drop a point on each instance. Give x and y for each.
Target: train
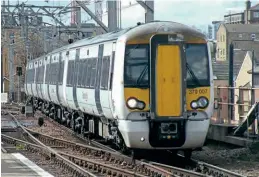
(147, 87)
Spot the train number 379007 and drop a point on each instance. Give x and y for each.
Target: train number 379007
(198, 91)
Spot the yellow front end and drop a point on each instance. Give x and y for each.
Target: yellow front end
(168, 91)
(168, 81)
(177, 91)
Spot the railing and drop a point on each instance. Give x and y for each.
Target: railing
(232, 104)
(14, 97)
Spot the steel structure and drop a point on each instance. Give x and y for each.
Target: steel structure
(29, 18)
(149, 9)
(98, 9)
(89, 12)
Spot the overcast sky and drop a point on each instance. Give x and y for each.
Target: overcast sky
(190, 12)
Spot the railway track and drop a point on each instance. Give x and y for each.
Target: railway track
(41, 154)
(93, 158)
(89, 158)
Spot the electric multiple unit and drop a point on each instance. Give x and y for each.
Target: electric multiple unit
(146, 87)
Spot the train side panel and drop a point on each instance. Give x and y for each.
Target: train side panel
(105, 92)
(33, 85)
(70, 79)
(37, 78)
(26, 78)
(65, 78)
(41, 77)
(111, 76)
(82, 90)
(61, 87)
(54, 72)
(118, 102)
(30, 78)
(46, 77)
(86, 91)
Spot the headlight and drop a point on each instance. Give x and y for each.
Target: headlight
(203, 102)
(133, 103)
(194, 105)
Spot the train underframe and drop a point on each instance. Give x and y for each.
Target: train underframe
(89, 126)
(93, 127)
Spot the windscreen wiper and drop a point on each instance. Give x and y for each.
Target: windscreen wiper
(196, 80)
(142, 74)
(132, 50)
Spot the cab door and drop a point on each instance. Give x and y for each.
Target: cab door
(167, 77)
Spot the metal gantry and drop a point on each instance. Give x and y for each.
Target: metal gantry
(149, 9)
(29, 19)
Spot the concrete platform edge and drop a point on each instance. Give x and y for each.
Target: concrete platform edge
(220, 133)
(32, 165)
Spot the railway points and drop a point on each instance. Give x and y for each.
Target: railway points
(79, 154)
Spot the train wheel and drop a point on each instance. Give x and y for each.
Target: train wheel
(82, 131)
(72, 124)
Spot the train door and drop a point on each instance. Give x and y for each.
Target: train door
(98, 78)
(167, 77)
(49, 77)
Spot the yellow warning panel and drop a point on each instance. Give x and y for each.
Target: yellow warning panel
(168, 80)
(139, 93)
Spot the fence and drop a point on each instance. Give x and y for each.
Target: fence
(14, 97)
(232, 104)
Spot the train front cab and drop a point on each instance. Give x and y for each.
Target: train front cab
(167, 92)
(168, 109)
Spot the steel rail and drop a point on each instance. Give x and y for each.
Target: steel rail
(215, 171)
(201, 168)
(91, 142)
(119, 159)
(49, 154)
(109, 169)
(212, 170)
(179, 171)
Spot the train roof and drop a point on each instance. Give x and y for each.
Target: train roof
(147, 28)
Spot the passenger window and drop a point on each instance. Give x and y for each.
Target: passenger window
(72, 73)
(68, 72)
(105, 72)
(85, 72)
(112, 68)
(76, 73)
(62, 71)
(89, 72)
(79, 73)
(93, 72)
(47, 75)
(82, 73)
